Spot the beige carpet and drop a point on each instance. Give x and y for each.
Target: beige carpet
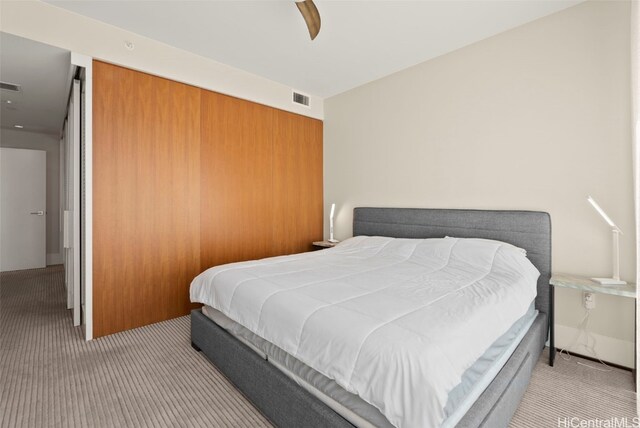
(150, 376)
(145, 377)
(570, 390)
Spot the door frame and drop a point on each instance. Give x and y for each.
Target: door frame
(84, 64)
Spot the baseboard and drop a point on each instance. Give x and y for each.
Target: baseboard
(54, 259)
(609, 349)
(595, 360)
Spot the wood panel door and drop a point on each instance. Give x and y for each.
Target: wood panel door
(146, 174)
(236, 171)
(297, 182)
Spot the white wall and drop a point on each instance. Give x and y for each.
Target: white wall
(535, 118)
(58, 27)
(51, 144)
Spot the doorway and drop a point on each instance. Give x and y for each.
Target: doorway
(39, 137)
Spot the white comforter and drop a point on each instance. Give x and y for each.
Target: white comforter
(396, 321)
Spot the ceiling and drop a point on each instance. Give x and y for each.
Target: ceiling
(360, 41)
(43, 72)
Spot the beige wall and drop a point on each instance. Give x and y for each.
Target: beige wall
(51, 144)
(535, 118)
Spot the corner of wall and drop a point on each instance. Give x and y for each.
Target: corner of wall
(54, 259)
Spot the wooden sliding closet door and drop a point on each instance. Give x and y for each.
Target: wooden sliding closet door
(236, 191)
(146, 224)
(297, 182)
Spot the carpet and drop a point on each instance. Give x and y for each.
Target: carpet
(151, 377)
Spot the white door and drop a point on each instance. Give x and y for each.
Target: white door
(72, 204)
(23, 189)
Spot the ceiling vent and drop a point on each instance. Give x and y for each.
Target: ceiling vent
(301, 99)
(10, 86)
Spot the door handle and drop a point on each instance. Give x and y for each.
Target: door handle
(37, 213)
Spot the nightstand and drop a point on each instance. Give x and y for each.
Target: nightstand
(324, 244)
(586, 285)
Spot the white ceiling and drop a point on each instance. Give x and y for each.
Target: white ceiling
(43, 72)
(360, 41)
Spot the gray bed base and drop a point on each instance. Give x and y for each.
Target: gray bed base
(287, 404)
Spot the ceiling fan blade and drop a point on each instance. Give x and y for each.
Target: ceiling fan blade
(311, 16)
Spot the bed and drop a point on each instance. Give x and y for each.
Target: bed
(266, 355)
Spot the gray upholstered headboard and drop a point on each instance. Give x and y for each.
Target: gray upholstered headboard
(530, 230)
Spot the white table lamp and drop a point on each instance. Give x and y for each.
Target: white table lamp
(333, 211)
(616, 247)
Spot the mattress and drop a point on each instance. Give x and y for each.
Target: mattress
(396, 322)
(356, 410)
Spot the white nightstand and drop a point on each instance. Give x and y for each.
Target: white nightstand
(586, 285)
(324, 244)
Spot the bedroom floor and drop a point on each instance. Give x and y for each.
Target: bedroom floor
(151, 376)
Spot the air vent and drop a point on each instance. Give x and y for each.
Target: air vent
(9, 86)
(301, 99)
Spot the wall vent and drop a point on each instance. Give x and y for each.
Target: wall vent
(9, 86)
(301, 99)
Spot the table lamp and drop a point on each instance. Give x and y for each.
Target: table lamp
(333, 211)
(616, 247)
